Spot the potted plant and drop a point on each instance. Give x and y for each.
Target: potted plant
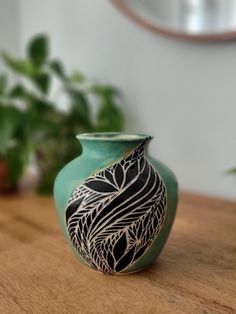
(45, 127)
(13, 142)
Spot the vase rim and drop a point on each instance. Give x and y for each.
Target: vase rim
(113, 136)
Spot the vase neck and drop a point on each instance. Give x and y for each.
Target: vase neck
(110, 147)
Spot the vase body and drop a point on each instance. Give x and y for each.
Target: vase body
(116, 205)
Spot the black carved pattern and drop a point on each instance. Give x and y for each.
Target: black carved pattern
(115, 215)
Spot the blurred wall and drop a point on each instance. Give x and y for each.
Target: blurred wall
(183, 93)
(9, 26)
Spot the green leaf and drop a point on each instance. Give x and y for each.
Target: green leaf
(47, 182)
(17, 91)
(109, 116)
(80, 111)
(3, 84)
(58, 68)
(37, 50)
(77, 77)
(42, 81)
(19, 66)
(9, 120)
(105, 91)
(17, 158)
(109, 119)
(6, 131)
(231, 171)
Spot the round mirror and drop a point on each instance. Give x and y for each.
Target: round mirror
(194, 19)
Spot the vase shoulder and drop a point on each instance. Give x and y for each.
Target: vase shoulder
(168, 176)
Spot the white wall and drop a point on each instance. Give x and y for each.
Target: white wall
(184, 93)
(9, 26)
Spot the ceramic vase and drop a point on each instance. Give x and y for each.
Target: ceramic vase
(115, 204)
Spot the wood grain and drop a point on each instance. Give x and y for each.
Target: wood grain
(194, 274)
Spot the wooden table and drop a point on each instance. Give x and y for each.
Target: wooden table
(194, 274)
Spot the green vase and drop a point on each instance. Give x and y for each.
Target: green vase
(116, 205)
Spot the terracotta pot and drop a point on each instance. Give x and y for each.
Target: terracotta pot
(3, 176)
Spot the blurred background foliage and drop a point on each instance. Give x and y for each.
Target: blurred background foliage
(43, 110)
(232, 171)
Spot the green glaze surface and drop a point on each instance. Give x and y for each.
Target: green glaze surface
(98, 152)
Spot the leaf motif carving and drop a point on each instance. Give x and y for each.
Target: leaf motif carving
(114, 216)
(119, 175)
(100, 186)
(120, 247)
(125, 260)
